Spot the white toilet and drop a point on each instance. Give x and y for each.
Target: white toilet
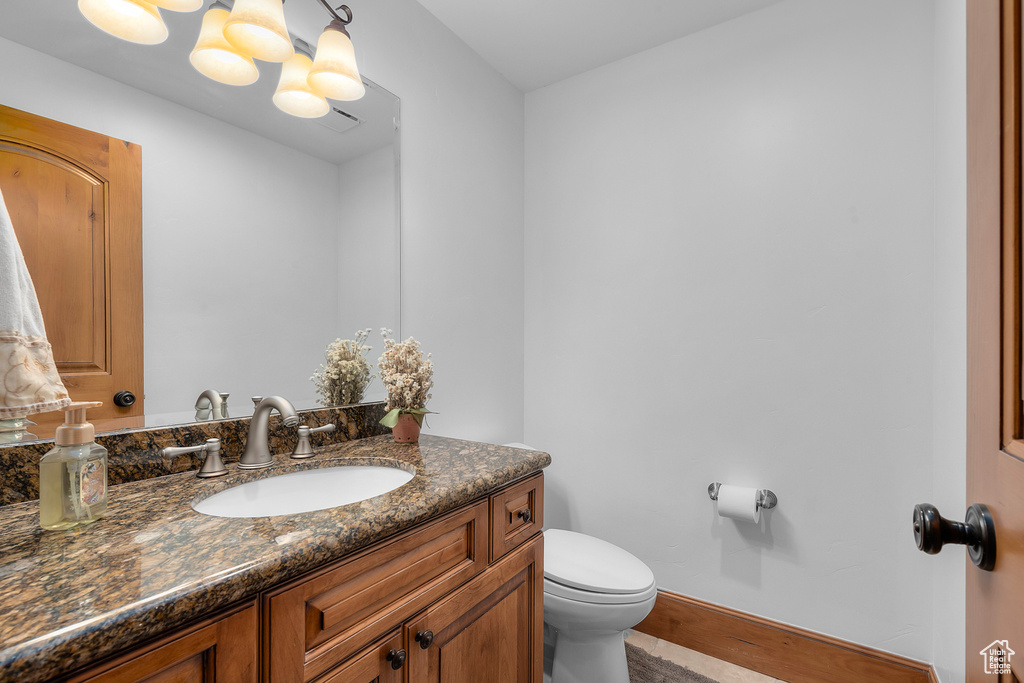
(593, 592)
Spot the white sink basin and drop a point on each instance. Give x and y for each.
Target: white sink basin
(304, 491)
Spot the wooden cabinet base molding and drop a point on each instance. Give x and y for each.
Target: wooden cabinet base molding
(775, 649)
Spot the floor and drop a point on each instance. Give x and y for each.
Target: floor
(724, 672)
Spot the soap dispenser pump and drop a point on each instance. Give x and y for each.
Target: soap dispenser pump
(73, 476)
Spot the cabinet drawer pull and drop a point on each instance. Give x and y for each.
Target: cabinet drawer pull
(397, 658)
(524, 515)
(424, 638)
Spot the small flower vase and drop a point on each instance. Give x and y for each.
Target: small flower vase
(407, 430)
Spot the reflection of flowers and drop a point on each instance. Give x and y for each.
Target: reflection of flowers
(344, 379)
(407, 376)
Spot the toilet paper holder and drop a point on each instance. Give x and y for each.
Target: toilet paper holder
(766, 500)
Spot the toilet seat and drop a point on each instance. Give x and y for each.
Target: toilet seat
(595, 598)
(587, 569)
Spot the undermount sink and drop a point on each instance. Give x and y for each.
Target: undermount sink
(304, 491)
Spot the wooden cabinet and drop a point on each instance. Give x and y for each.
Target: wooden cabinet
(517, 513)
(489, 630)
(221, 649)
(457, 599)
(318, 621)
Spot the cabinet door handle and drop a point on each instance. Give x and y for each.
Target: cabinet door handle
(424, 638)
(524, 515)
(397, 658)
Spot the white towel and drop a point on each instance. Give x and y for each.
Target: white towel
(29, 382)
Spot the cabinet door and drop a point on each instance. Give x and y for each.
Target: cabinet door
(382, 662)
(222, 649)
(490, 630)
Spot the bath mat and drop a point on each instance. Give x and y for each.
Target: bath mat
(646, 668)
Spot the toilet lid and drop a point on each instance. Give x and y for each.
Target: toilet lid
(590, 564)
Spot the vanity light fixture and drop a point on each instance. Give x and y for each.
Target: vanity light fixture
(137, 21)
(256, 27)
(294, 95)
(179, 5)
(216, 58)
(334, 73)
(232, 36)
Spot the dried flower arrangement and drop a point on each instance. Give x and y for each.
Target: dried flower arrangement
(344, 379)
(407, 376)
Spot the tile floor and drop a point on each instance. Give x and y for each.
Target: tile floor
(724, 672)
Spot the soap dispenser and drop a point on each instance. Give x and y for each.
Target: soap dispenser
(73, 476)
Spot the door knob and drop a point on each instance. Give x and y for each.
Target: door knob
(124, 399)
(978, 533)
(524, 515)
(424, 638)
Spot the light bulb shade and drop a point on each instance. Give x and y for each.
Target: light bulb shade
(256, 28)
(179, 5)
(334, 73)
(137, 21)
(294, 96)
(216, 58)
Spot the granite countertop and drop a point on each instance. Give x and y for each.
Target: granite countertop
(68, 598)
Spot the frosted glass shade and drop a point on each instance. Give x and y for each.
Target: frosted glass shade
(216, 58)
(256, 28)
(294, 96)
(179, 5)
(334, 73)
(137, 21)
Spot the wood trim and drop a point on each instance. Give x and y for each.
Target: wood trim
(1012, 414)
(773, 648)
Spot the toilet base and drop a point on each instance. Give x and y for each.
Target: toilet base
(590, 657)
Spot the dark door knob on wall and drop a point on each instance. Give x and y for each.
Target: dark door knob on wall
(124, 399)
(978, 533)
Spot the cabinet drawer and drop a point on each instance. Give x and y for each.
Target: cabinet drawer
(317, 622)
(517, 513)
(372, 664)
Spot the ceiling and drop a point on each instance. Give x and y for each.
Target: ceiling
(534, 43)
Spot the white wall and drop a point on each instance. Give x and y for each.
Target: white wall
(462, 215)
(949, 369)
(730, 277)
(236, 228)
(368, 238)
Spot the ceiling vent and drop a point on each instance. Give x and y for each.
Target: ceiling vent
(339, 121)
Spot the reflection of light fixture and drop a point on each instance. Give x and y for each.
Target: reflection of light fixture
(230, 40)
(214, 57)
(179, 5)
(256, 27)
(334, 73)
(137, 21)
(293, 95)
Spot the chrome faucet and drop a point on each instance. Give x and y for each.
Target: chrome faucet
(257, 451)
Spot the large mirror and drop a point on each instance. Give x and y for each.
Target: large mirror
(265, 237)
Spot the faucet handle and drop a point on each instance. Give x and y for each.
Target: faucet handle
(256, 401)
(213, 466)
(303, 449)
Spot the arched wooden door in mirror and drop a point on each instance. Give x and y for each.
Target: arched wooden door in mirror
(75, 198)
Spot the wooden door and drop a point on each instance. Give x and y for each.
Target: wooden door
(75, 198)
(490, 630)
(995, 425)
(221, 649)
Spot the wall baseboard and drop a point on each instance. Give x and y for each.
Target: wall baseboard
(775, 649)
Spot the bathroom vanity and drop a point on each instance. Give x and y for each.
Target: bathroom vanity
(440, 579)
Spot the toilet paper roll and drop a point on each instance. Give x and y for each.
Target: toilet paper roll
(738, 502)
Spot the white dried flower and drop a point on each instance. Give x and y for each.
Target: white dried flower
(406, 374)
(347, 373)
